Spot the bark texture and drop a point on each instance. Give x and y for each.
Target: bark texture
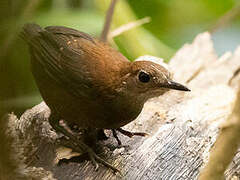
(182, 127)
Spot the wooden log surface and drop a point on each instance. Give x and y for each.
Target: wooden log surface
(182, 127)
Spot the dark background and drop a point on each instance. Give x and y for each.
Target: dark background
(174, 22)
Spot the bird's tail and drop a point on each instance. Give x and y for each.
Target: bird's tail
(30, 33)
(44, 49)
(36, 37)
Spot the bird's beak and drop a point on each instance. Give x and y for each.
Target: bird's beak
(174, 85)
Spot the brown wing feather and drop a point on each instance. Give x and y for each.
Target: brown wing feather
(63, 63)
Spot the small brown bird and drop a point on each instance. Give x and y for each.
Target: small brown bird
(86, 82)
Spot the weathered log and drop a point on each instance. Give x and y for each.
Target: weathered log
(182, 127)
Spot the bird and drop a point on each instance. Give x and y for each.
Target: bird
(86, 82)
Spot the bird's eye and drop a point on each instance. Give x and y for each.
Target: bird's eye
(143, 77)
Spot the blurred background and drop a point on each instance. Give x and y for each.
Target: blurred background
(173, 23)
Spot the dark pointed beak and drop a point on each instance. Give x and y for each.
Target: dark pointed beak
(174, 85)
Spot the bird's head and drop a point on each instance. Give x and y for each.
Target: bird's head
(146, 79)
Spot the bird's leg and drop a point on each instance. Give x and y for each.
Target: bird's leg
(101, 135)
(79, 145)
(116, 137)
(126, 133)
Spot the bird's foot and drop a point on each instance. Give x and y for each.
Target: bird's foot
(126, 133)
(78, 145)
(131, 134)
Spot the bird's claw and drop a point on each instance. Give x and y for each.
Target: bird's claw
(131, 134)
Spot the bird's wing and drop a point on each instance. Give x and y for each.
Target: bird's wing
(63, 63)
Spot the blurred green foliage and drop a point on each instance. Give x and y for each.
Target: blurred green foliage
(174, 22)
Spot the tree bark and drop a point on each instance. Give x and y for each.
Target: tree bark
(182, 127)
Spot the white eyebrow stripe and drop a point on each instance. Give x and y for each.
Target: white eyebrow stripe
(156, 69)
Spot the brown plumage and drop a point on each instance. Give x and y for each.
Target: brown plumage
(86, 82)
